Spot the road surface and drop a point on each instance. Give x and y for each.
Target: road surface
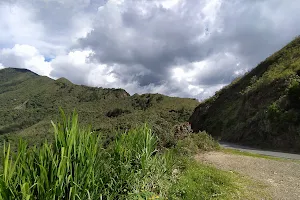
(270, 179)
(258, 151)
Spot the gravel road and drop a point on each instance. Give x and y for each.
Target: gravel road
(282, 177)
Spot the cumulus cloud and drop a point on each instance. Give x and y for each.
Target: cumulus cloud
(17, 26)
(51, 26)
(187, 48)
(206, 43)
(76, 61)
(25, 56)
(145, 35)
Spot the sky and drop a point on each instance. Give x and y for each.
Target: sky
(185, 48)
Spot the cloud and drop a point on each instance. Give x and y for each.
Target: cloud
(146, 35)
(186, 48)
(25, 56)
(51, 26)
(17, 26)
(204, 42)
(257, 28)
(75, 61)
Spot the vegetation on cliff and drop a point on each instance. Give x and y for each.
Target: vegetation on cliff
(261, 108)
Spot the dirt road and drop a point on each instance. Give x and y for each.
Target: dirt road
(281, 177)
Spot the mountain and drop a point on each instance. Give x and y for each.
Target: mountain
(262, 108)
(28, 103)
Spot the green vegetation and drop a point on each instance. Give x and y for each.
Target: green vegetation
(244, 153)
(203, 182)
(261, 108)
(76, 165)
(255, 155)
(28, 102)
(195, 142)
(140, 146)
(117, 112)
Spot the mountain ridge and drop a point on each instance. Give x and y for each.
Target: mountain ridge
(28, 102)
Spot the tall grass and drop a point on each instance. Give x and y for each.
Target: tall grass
(76, 166)
(63, 170)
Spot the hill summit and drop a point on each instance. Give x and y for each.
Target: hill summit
(262, 108)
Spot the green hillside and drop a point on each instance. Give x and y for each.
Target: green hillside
(29, 102)
(262, 108)
(118, 157)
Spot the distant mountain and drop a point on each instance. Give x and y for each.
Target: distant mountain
(261, 108)
(28, 102)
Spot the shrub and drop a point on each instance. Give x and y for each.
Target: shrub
(160, 98)
(183, 114)
(274, 112)
(294, 94)
(205, 142)
(145, 101)
(182, 131)
(195, 143)
(116, 112)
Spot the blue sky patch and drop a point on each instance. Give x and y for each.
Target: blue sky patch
(48, 59)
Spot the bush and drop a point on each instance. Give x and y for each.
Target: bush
(205, 142)
(197, 142)
(163, 130)
(294, 94)
(274, 112)
(182, 131)
(117, 112)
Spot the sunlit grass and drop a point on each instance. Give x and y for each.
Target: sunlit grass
(77, 166)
